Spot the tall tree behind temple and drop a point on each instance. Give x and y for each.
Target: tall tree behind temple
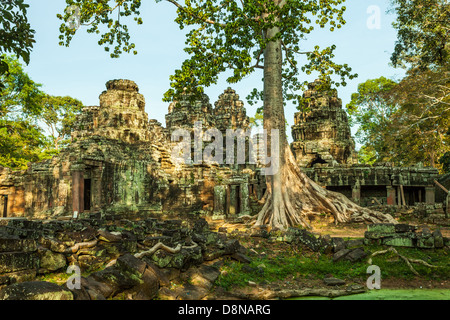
(16, 35)
(414, 129)
(28, 116)
(58, 116)
(403, 123)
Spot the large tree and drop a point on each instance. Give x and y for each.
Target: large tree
(16, 34)
(423, 33)
(33, 124)
(403, 123)
(58, 116)
(245, 36)
(406, 122)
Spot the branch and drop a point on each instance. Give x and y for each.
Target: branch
(257, 65)
(101, 12)
(179, 6)
(287, 56)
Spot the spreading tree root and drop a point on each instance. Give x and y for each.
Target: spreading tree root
(407, 260)
(162, 246)
(291, 293)
(301, 197)
(83, 245)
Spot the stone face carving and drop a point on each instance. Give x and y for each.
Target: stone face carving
(321, 134)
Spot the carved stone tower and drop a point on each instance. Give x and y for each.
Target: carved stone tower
(322, 134)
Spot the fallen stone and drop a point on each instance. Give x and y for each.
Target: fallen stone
(52, 261)
(338, 256)
(108, 236)
(129, 263)
(17, 261)
(381, 228)
(438, 239)
(425, 242)
(402, 227)
(96, 289)
(356, 255)
(338, 244)
(16, 245)
(241, 257)
(333, 281)
(399, 242)
(355, 243)
(148, 289)
(35, 290)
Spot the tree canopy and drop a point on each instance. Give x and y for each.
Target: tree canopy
(33, 125)
(225, 35)
(16, 34)
(422, 33)
(406, 122)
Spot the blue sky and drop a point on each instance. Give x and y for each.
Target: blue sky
(82, 69)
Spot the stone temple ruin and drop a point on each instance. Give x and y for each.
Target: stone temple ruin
(323, 146)
(119, 163)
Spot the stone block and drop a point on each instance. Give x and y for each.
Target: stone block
(425, 242)
(52, 261)
(340, 254)
(17, 261)
(402, 227)
(35, 290)
(381, 228)
(399, 242)
(356, 255)
(438, 239)
(16, 245)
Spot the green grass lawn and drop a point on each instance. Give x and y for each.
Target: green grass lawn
(304, 264)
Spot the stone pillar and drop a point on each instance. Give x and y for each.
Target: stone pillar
(356, 193)
(390, 191)
(245, 209)
(228, 200)
(77, 192)
(96, 191)
(219, 202)
(447, 207)
(233, 200)
(430, 195)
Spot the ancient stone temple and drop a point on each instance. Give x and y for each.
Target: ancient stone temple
(120, 163)
(321, 133)
(324, 148)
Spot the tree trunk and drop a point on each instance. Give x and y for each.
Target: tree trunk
(291, 196)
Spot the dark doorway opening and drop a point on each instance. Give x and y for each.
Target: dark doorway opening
(87, 194)
(316, 160)
(238, 199)
(4, 206)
